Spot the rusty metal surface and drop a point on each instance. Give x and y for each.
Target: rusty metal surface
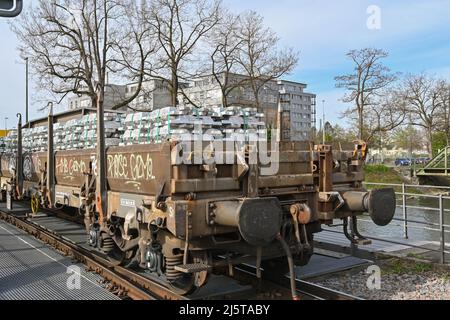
(149, 170)
(7, 164)
(71, 166)
(140, 169)
(33, 165)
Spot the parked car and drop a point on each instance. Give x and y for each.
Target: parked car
(402, 162)
(423, 160)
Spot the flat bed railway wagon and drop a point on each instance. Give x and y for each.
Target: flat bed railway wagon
(182, 216)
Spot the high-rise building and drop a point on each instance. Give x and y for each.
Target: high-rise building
(297, 110)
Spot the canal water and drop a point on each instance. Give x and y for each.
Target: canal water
(416, 231)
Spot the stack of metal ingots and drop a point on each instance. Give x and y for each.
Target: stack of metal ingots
(10, 142)
(34, 139)
(174, 124)
(82, 133)
(2, 145)
(193, 124)
(74, 134)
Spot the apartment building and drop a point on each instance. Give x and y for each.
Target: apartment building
(155, 94)
(297, 107)
(114, 94)
(205, 92)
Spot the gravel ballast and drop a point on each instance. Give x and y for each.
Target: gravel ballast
(400, 280)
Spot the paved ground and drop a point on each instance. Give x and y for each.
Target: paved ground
(30, 270)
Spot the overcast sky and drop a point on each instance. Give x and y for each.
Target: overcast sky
(416, 33)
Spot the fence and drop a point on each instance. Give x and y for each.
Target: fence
(408, 223)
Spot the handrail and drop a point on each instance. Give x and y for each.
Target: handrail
(406, 185)
(424, 225)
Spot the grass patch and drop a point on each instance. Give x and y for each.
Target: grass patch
(414, 255)
(383, 174)
(378, 168)
(408, 267)
(446, 278)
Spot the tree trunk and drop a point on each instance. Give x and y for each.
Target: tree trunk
(430, 142)
(361, 124)
(174, 86)
(224, 99)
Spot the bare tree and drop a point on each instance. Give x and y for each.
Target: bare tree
(424, 102)
(226, 47)
(364, 83)
(73, 45)
(408, 138)
(384, 115)
(259, 57)
(444, 113)
(180, 26)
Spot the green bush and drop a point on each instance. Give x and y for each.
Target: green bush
(439, 142)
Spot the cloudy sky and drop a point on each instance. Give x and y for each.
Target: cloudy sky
(416, 33)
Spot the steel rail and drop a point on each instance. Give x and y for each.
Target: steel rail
(322, 293)
(304, 288)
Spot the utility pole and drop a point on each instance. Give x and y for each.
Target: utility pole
(19, 160)
(50, 158)
(26, 90)
(6, 123)
(323, 122)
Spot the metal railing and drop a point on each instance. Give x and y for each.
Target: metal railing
(407, 223)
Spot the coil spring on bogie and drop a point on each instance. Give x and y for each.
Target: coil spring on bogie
(171, 273)
(108, 244)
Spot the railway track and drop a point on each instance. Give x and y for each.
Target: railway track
(322, 293)
(125, 282)
(128, 283)
(305, 289)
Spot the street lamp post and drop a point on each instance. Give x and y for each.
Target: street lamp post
(323, 122)
(6, 123)
(26, 90)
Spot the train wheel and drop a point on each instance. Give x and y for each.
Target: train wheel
(184, 285)
(35, 204)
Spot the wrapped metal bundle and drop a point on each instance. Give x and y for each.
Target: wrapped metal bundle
(2, 145)
(11, 141)
(176, 124)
